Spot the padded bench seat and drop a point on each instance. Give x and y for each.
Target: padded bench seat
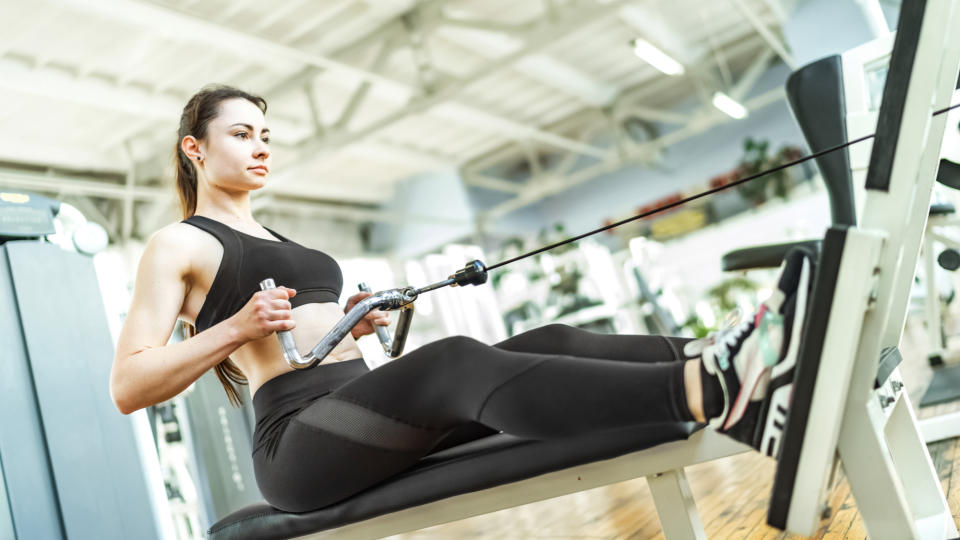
(942, 209)
(763, 256)
(477, 465)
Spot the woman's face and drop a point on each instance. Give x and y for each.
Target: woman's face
(236, 150)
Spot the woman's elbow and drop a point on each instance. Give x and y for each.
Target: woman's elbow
(121, 398)
(122, 403)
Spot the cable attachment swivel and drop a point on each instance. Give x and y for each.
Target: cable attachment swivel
(392, 299)
(474, 273)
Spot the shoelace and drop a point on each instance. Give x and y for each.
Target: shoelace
(725, 339)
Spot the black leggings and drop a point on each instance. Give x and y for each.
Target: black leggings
(327, 433)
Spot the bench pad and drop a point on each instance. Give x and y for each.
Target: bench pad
(488, 462)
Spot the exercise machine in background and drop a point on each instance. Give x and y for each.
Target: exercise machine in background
(70, 465)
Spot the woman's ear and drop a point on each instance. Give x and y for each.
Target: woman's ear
(191, 147)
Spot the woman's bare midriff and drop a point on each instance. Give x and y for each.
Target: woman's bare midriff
(261, 359)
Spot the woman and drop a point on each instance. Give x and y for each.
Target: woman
(326, 433)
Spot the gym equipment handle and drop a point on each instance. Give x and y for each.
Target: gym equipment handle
(386, 300)
(394, 347)
(382, 333)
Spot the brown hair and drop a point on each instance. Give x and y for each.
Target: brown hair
(203, 107)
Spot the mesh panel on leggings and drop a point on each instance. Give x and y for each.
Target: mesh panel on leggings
(359, 424)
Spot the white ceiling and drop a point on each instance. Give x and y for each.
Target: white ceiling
(362, 94)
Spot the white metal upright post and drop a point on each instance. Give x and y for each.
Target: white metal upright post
(880, 447)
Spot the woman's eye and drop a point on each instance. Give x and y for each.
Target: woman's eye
(241, 134)
(266, 140)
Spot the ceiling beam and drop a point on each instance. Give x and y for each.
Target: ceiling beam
(542, 36)
(126, 228)
(190, 28)
(722, 65)
(658, 30)
(615, 160)
(488, 182)
(133, 63)
(56, 154)
(393, 152)
(663, 116)
(477, 118)
(380, 57)
(484, 25)
(778, 10)
(90, 211)
(567, 78)
(68, 186)
(136, 11)
(309, 23)
(80, 186)
(158, 214)
(626, 103)
(268, 203)
(144, 126)
(12, 34)
(754, 71)
(59, 85)
(773, 41)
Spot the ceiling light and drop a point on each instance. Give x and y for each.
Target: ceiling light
(729, 106)
(656, 58)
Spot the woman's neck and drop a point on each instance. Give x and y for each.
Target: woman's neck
(229, 214)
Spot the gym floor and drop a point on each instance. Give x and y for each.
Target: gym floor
(731, 493)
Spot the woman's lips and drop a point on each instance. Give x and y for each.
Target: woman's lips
(260, 169)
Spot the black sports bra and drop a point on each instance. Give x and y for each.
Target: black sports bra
(247, 260)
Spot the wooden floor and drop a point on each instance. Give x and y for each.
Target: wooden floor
(731, 493)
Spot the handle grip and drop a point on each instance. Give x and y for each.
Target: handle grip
(391, 299)
(382, 334)
(290, 352)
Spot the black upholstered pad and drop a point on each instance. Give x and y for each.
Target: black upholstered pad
(942, 209)
(481, 464)
(765, 256)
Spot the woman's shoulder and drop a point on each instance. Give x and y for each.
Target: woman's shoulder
(181, 245)
(179, 236)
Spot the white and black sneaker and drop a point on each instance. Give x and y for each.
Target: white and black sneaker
(754, 361)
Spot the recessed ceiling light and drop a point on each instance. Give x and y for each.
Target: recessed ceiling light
(729, 106)
(656, 58)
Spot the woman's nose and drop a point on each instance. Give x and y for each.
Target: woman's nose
(262, 150)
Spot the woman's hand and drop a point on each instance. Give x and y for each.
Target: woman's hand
(375, 317)
(265, 313)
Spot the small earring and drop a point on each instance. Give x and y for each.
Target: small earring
(199, 158)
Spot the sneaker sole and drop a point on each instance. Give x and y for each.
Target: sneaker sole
(778, 405)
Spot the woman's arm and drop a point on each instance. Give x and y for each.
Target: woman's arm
(145, 370)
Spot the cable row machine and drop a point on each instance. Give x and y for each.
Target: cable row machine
(71, 466)
(849, 406)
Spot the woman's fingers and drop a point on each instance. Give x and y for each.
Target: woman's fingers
(281, 304)
(279, 309)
